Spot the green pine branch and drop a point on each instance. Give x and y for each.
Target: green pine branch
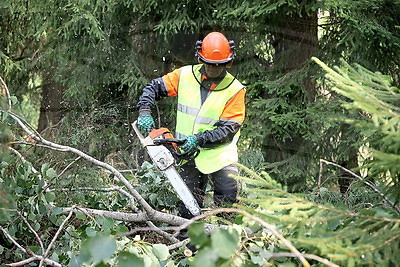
(343, 236)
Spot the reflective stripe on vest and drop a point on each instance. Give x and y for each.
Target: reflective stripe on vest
(192, 117)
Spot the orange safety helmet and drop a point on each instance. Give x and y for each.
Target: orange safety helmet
(215, 49)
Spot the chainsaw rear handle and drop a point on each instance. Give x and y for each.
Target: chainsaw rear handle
(168, 141)
(192, 153)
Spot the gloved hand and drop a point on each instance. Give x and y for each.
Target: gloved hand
(145, 123)
(190, 143)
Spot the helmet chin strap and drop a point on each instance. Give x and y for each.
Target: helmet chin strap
(201, 85)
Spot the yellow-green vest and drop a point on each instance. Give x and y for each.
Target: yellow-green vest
(192, 117)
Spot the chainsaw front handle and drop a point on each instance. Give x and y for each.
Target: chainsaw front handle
(146, 141)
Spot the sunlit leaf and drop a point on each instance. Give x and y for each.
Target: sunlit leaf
(126, 259)
(161, 251)
(205, 258)
(196, 233)
(224, 243)
(101, 247)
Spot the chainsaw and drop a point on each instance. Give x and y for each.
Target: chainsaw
(163, 151)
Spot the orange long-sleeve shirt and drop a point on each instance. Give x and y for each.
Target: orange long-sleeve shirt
(234, 108)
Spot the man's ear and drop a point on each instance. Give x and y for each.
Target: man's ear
(229, 64)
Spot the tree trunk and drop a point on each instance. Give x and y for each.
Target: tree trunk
(51, 106)
(295, 42)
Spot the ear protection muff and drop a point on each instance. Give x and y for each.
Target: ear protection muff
(197, 47)
(232, 45)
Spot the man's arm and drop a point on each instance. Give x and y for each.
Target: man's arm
(228, 125)
(151, 92)
(158, 88)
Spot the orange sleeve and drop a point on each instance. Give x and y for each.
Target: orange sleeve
(171, 81)
(235, 107)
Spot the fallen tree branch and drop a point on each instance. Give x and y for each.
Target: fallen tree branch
(150, 211)
(370, 185)
(132, 217)
(267, 226)
(151, 227)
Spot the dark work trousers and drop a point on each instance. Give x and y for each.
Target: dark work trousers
(225, 187)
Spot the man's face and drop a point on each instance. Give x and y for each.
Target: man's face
(213, 71)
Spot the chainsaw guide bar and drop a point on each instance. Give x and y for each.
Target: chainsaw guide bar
(159, 144)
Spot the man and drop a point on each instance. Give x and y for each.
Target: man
(210, 113)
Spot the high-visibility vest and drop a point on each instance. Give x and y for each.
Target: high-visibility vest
(194, 117)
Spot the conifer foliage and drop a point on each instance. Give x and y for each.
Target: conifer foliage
(88, 197)
(373, 95)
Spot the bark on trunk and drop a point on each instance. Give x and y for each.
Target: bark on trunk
(51, 106)
(295, 42)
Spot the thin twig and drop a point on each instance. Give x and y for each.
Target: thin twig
(69, 165)
(5, 232)
(24, 262)
(132, 171)
(52, 126)
(7, 92)
(179, 244)
(38, 145)
(32, 230)
(320, 176)
(22, 158)
(37, 257)
(376, 190)
(308, 256)
(56, 236)
(162, 233)
(45, 189)
(106, 189)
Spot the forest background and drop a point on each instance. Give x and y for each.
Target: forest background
(320, 146)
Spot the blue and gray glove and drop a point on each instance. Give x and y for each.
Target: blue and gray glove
(190, 143)
(145, 121)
